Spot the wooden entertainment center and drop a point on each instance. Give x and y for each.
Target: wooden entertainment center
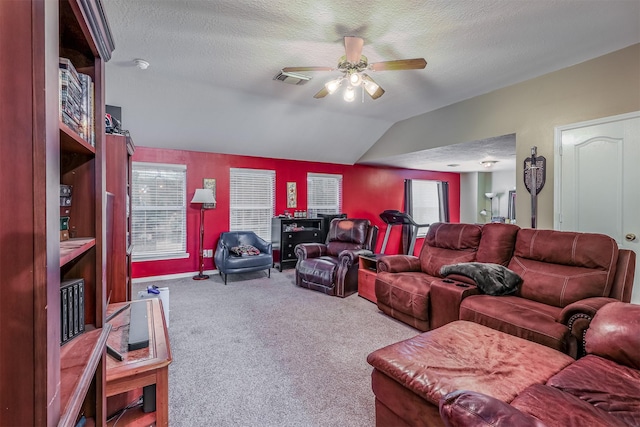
(45, 383)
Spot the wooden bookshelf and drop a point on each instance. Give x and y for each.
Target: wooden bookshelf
(41, 382)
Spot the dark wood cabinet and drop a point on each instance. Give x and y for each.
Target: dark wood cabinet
(119, 151)
(41, 382)
(287, 233)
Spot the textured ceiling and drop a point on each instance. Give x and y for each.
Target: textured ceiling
(210, 84)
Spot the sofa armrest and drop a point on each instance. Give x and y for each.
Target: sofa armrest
(578, 315)
(310, 250)
(587, 306)
(398, 263)
(613, 334)
(349, 256)
(462, 408)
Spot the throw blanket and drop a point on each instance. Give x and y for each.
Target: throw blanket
(244, 250)
(492, 279)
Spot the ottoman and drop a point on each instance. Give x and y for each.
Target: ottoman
(410, 377)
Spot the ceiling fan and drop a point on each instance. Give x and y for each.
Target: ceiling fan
(353, 66)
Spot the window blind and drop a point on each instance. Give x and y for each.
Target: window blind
(324, 194)
(426, 203)
(252, 201)
(158, 210)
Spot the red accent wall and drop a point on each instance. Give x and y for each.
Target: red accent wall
(366, 192)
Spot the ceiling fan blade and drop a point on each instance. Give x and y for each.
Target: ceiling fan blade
(400, 64)
(321, 93)
(372, 88)
(353, 48)
(295, 69)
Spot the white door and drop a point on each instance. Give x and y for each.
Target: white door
(597, 187)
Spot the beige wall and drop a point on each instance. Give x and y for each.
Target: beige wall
(605, 86)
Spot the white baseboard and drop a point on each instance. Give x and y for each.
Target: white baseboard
(170, 276)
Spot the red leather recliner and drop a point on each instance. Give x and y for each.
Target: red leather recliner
(332, 267)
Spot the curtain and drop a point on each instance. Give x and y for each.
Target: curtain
(407, 230)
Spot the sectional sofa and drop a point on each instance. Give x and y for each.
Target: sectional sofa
(566, 278)
(466, 374)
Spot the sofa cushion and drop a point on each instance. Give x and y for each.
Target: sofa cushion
(614, 333)
(406, 292)
(347, 234)
(557, 409)
(520, 317)
(497, 243)
(561, 267)
(447, 243)
(320, 270)
(465, 355)
(607, 385)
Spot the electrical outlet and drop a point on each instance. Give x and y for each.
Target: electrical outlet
(208, 253)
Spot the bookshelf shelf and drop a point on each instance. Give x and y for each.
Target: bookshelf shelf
(71, 142)
(79, 359)
(73, 248)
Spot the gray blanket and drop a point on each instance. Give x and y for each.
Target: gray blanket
(492, 279)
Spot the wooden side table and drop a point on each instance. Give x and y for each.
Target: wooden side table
(367, 272)
(143, 367)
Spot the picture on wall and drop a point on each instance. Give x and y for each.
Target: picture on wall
(210, 183)
(292, 197)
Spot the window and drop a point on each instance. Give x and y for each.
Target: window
(252, 201)
(158, 217)
(324, 194)
(428, 203)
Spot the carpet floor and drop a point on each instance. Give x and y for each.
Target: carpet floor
(263, 352)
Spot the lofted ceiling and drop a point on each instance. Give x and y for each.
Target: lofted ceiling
(210, 86)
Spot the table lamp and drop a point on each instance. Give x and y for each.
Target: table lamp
(202, 196)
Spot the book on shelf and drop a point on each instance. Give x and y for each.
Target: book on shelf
(77, 101)
(71, 309)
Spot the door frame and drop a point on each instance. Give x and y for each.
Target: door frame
(557, 158)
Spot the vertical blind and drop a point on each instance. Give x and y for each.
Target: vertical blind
(158, 210)
(252, 201)
(426, 203)
(324, 194)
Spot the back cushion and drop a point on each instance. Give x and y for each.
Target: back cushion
(497, 243)
(449, 244)
(346, 234)
(561, 267)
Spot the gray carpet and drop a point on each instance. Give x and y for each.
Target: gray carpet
(264, 352)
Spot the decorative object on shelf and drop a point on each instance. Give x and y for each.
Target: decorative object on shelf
(203, 196)
(534, 179)
(292, 196)
(210, 184)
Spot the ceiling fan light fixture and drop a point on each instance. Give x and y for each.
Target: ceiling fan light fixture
(488, 163)
(355, 79)
(333, 85)
(349, 94)
(370, 86)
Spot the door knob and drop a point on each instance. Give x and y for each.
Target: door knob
(630, 237)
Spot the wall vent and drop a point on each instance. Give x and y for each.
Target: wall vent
(292, 78)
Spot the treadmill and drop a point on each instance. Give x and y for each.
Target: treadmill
(394, 217)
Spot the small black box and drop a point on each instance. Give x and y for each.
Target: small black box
(65, 190)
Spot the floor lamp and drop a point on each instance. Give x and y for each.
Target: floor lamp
(202, 196)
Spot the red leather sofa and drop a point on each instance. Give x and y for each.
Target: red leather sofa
(567, 277)
(403, 284)
(600, 389)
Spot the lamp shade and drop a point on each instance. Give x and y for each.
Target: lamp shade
(203, 195)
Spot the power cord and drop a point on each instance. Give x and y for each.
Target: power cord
(121, 412)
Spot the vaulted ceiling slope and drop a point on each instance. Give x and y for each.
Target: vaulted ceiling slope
(210, 87)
